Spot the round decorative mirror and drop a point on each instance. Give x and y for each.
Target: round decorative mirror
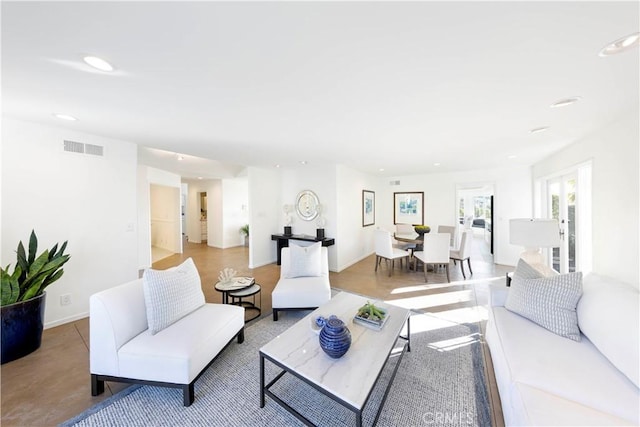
(307, 205)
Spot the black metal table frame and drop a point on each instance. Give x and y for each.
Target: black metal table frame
(247, 304)
(264, 389)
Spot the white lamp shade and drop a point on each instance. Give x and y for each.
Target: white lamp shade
(534, 233)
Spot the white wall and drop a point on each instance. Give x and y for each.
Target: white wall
(353, 241)
(265, 214)
(235, 211)
(512, 199)
(322, 181)
(615, 152)
(89, 201)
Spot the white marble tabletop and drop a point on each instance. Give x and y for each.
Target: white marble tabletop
(352, 376)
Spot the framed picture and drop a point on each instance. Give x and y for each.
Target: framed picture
(408, 208)
(368, 208)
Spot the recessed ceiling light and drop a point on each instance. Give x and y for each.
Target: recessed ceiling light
(381, 169)
(98, 63)
(513, 156)
(303, 162)
(621, 45)
(277, 166)
(64, 117)
(436, 164)
(566, 101)
(540, 129)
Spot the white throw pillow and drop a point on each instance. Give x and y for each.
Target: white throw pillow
(305, 261)
(171, 294)
(548, 301)
(608, 314)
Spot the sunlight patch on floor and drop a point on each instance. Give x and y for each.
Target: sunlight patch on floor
(473, 314)
(419, 288)
(434, 300)
(454, 343)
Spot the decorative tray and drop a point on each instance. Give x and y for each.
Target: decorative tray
(371, 316)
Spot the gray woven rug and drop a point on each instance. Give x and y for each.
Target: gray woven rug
(440, 382)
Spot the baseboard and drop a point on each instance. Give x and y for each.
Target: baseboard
(66, 320)
(345, 266)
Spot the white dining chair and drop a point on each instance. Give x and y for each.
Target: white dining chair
(385, 250)
(464, 252)
(451, 229)
(405, 229)
(435, 250)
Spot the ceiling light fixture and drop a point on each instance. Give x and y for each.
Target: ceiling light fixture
(303, 162)
(98, 63)
(381, 169)
(566, 101)
(277, 166)
(64, 117)
(199, 177)
(540, 129)
(513, 156)
(436, 164)
(620, 45)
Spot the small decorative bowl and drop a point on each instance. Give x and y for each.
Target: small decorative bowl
(422, 229)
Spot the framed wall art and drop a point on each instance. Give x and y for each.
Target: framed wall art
(368, 208)
(408, 208)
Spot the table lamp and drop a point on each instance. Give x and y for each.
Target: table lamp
(534, 234)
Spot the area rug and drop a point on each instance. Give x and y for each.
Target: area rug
(440, 382)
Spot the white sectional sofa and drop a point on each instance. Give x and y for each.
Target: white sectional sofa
(548, 380)
(124, 349)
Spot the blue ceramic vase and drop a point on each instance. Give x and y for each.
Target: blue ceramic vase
(335, 337)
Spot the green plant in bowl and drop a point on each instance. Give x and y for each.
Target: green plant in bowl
(422, 229)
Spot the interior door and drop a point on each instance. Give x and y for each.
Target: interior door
(562, 205)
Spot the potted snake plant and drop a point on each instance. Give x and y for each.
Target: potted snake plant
(23, 297)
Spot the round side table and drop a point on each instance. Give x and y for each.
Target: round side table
(236, 284)
(251, 291)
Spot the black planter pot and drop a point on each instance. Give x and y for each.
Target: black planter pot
(22, 325)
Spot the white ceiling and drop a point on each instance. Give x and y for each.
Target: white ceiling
(371, 85)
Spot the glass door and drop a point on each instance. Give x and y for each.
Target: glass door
(562, 205)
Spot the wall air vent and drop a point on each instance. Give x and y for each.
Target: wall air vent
(394, 182)
(73, 147)
(81, 148)
(95, 150)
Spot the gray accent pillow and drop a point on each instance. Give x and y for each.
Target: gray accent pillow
(548, 301)
(171, 294)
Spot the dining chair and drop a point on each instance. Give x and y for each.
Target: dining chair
(405, 229)
(451, 229)
(385, 250)
(464, 252)
(435, 250)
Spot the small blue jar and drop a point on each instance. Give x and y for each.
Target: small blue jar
(335, 337)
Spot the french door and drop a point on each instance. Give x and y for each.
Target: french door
(561, 193)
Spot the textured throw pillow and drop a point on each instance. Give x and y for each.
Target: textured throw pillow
(305, 261)
(549, 301)
(171, 294)
(526, 271)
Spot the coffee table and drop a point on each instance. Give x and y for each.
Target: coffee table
(348, 380)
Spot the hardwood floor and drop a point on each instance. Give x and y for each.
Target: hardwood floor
(51, 385)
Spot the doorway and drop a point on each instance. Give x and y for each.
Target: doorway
(165, 221)
(475, 206)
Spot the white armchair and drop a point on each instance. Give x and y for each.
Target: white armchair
(295, 292)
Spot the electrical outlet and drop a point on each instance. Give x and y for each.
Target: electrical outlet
(65, 299)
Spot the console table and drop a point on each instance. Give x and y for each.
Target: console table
(283, 241)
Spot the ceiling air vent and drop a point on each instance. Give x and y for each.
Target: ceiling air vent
(81, 148)
(394, 182)
(95, 150)
(73, 147)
